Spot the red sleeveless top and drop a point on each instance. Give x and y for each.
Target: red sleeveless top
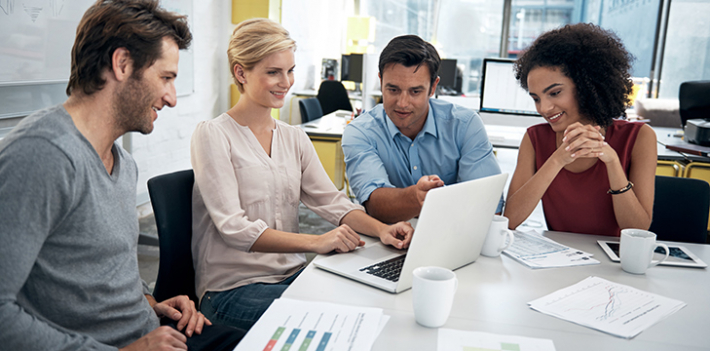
(578, 202)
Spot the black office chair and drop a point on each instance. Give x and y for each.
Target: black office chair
(310, 109)
(333, 96)
(171, 198)
(680, 209)
(694, 100)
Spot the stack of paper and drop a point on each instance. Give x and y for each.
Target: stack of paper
(314, 326)
(616, 309)
(451, 339)
(537, 251)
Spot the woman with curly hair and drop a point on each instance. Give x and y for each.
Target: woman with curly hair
(594, 173)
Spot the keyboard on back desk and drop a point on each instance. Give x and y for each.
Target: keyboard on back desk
(389, 269)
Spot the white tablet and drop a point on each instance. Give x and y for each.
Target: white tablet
(679, 256)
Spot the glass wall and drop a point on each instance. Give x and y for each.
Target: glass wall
(469, 30)
(465, 30)
(687, 50)
(530, 18)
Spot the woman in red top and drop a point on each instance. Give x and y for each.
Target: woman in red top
(595, 174)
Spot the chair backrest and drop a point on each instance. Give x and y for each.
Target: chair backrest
(171, 198)
(333, 96)
(310, 109)
(680, 209)
(694, 100)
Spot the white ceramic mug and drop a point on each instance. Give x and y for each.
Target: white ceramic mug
(636, 251)
(495, 240)
(433, 290)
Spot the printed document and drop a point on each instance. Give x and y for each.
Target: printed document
(537, 251)
(452, 339)
(314, 326)
(609, 307)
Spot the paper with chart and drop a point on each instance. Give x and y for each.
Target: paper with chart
(314, 326)
(613, 308)
(452, 339)
(537, 251)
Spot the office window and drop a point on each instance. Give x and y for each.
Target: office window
(634, 21)
(464, 30)
(530, 18)
(687, 49)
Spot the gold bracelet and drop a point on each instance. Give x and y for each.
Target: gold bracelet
(622, 190)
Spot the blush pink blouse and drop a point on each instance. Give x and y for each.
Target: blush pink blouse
(240, 191)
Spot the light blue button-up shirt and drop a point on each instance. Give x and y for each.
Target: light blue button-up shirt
(453, 144)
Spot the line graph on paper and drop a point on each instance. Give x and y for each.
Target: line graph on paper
(614, 308)
(601, 301)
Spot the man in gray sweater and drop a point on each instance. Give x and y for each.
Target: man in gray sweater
(68, 227)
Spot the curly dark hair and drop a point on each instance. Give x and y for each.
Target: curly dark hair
(594, 59)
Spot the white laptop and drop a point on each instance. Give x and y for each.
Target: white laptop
(449, 233)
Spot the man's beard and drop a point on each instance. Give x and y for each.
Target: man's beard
(132, 107)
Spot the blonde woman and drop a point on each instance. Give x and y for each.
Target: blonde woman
(251, 171)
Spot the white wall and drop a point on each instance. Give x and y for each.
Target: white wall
(319, 27)
(167, 149)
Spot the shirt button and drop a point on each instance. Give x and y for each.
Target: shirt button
(415, 168)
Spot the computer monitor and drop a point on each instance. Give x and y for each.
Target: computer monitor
(447, 74)
(500, 91)
(351, 68)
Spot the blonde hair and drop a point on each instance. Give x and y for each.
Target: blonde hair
(253, 40)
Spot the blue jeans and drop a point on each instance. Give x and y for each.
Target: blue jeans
(241, 307)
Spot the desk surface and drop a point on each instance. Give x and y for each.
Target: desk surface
(493, 294)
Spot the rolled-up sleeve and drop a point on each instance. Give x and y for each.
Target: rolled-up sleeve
(364, 166)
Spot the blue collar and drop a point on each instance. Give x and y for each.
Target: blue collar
(429, 125)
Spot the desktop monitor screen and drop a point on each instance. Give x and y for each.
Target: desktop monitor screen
(500, 91)
(351, 68)
(447, 73)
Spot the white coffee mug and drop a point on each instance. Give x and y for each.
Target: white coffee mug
(636, 251)
(433, 291)
(495, 240)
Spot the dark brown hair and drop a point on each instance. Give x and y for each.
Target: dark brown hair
(594, 59)
(411, 50)
(137, 25)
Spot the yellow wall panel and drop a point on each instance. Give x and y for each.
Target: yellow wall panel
(245, 9)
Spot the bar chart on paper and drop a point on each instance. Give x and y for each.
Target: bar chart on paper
(292, 325)
(293, 335)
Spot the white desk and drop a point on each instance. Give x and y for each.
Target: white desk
(493, 294)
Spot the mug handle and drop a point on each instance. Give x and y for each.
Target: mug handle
(654, 263)
(511, 238)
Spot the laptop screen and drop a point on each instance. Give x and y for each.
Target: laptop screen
(500, 91)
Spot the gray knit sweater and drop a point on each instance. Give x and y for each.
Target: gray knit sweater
(68, 235)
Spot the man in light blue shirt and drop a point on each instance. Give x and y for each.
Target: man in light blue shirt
(410, 143)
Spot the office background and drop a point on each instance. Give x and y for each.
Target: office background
(670, 38)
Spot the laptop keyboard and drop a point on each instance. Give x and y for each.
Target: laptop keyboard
(389, 269)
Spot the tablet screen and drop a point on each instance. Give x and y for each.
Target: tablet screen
(678, 256)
